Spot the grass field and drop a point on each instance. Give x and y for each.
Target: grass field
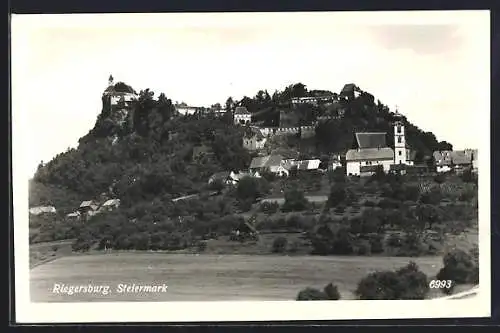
(211, 277)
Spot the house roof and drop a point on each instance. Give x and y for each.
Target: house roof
(274, 160)
(258, 162)
(221, 175)
(111, 202)
(369, 154)
(266, 161)
(348, 89)
(241, 110)
(74, 214)
(87, 203)
(460, 157)
(308, 165)
(412, 155)
(256, 133)
(371, 140)
(457, 157)
(42, 209)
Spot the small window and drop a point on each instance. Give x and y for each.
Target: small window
(399, 128)
(400, 153)
(399, 139)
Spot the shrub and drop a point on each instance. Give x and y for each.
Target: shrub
(406, 283)
(460, 267)
(338, 195)
(269, 207)
(376, 244)
(201, 246)
(279, 244)
(369, 203)
(340, 209)
(332, 292)
(440, 178)
(363, 249)
(311, 294)
(295, 201)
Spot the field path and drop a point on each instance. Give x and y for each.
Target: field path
(192, 277)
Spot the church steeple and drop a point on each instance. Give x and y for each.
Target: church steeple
(110, 80)
(399, 139)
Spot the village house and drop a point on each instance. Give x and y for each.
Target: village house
(371, 152)
(242, 116)
(110, 205)
(269, 163)
(185, 109)
(457, 160)
(334, 163)
(88, 208)
(236, 177)
(39, 210)
(255, 140)
(73, 216)
(226, 177)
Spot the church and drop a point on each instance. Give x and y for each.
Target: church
(372, 151)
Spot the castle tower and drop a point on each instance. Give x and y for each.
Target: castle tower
(399, 140)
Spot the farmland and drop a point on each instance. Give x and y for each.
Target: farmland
(204, 277)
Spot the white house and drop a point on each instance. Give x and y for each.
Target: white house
(242, 116)
(458, 160)
(184, 109)
(271, 163)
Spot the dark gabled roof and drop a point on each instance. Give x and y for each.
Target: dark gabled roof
(241, 110)
(369, 154)
(120, 88)
(371, 140)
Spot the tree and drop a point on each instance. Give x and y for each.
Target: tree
(279, 244)
(251, 188)
(338, 195)
(332, 292)
(295, 201)
(311, 294)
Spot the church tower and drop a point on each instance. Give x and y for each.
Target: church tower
(399, 140)
(110, 81)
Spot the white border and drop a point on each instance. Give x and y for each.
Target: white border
(27, 312)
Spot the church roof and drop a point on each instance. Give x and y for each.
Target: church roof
(241, 110)
(367, 154)
(371, 140)
(119, 88)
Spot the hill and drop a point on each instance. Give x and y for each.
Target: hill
(145, 154)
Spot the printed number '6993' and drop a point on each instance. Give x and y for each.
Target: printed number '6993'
(438, 284)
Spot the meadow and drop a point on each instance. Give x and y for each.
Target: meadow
(205, 277)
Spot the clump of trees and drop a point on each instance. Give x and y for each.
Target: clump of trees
(406, 283)
(329, 293)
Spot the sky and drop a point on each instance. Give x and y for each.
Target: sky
(435, 66)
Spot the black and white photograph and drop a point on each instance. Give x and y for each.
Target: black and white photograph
(230, 166)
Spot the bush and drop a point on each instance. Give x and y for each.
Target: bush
(376, 244)
(460, 267)
(406, 283)
(440, 178)
(311, 294)
(295, 201)
(269, 207)
(279, 244)
(363, 249)
(338, 195)
(340, 209)
(332, 292)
